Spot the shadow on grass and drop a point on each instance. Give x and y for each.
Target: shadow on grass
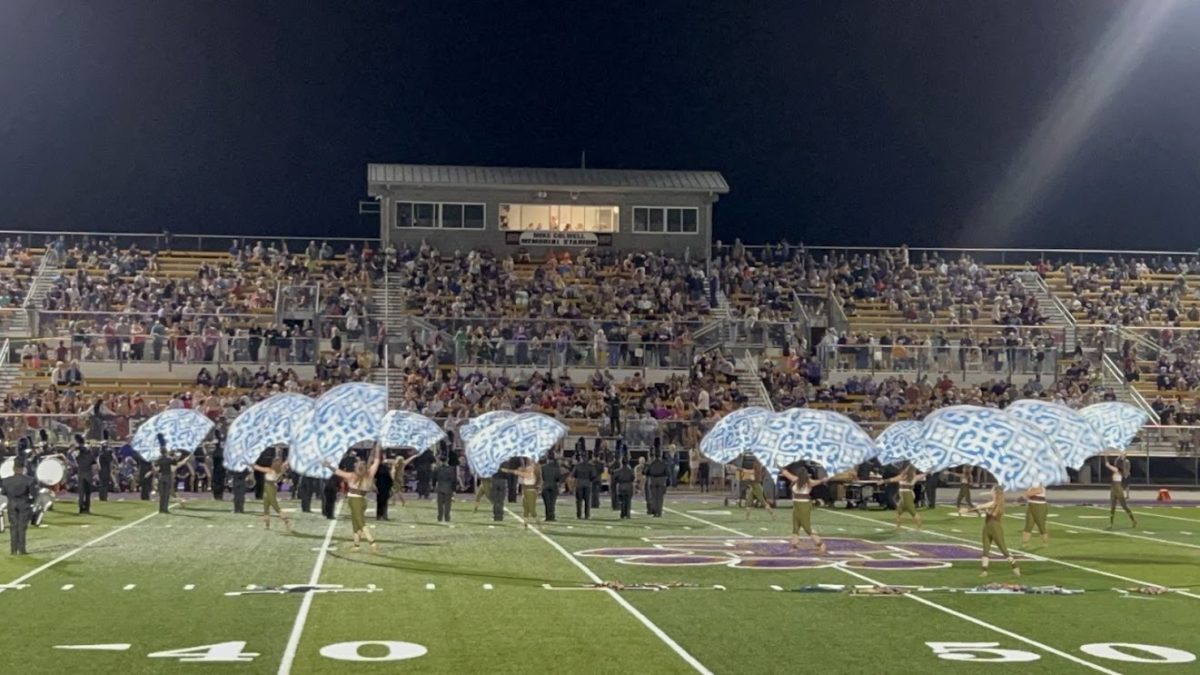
(447, 570)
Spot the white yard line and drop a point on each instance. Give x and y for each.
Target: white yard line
(942, 608)
(1121, 533)
(653, 628)
(42, 568)
(289, 652)
(1032, 556)
(1151, 513)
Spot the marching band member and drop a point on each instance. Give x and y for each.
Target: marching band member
(907, 479)
(993, 530)
(1035, 514)
(271, 476)
(20, 490)
(165, 468)
(359, 482)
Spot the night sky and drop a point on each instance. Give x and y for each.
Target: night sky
(834, 122)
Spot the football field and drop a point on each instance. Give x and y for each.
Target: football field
(128, 590)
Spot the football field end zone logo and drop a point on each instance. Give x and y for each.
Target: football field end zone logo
(775, 553)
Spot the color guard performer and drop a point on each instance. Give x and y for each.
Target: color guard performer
(359, 483)
(907, 479)
(1035, 514)
(993, 530)
(271, 476)
(527, 475)
(964, 489)
(1117, 491)
(802, 485)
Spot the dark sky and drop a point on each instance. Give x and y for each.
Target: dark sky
(835, 122)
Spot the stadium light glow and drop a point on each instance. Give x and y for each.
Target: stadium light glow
(1064, 126)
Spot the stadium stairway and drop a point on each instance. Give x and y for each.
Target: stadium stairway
(1050, 306)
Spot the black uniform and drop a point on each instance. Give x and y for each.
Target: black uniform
(656, 485)
(584, 474)
(106, 462)
(445, 480)
(329, 496)
(218, 477)
(383, 492)
(612, 484)
(623, 479)
(499, 488)
(85, 464)
(145, 479)
(239, 491)
(21, 490)
(308, 488)
(166, 477)
(424, 465)
(931, 485)
(551, 479)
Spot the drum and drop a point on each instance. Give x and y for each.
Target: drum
(51, 471)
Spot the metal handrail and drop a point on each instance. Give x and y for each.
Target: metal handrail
(1111, 368)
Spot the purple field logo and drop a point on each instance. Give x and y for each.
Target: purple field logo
(776, 553)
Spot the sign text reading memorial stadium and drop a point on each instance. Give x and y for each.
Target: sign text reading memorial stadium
(541, 238)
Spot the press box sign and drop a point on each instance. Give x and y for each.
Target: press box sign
(544, 238)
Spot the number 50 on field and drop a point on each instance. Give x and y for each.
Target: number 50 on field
(1127, 652)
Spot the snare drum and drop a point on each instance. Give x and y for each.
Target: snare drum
(51, 471)
(6, 467)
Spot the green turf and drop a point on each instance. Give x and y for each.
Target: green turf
(519, 626)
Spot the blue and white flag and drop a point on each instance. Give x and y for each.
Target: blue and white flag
(269, 422)
(402, 429)
(182, 428)
(1016, 452)
(1074, 437)
(901, 442)
(469, 430)
(801, 434)
(734, 434)
(1117, 423)
(345, 416)
(529, 435)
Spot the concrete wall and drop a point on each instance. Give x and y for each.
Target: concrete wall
(491, 237)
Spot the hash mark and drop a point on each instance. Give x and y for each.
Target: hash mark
(68, 587)
(130, 587)
(487, 587)
(430, 587)
(189, 587)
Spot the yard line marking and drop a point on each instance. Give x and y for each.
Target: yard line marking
(129, 587)
(68, 587)
(992, 627)
(1036, 557)
(653, 627)
(42, 568)
(1118, 533)
(1150, 512)
(965, 617)
(114, 647)
(293, 643)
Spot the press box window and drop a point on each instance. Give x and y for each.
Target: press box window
(663, 219)
(430, 215)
